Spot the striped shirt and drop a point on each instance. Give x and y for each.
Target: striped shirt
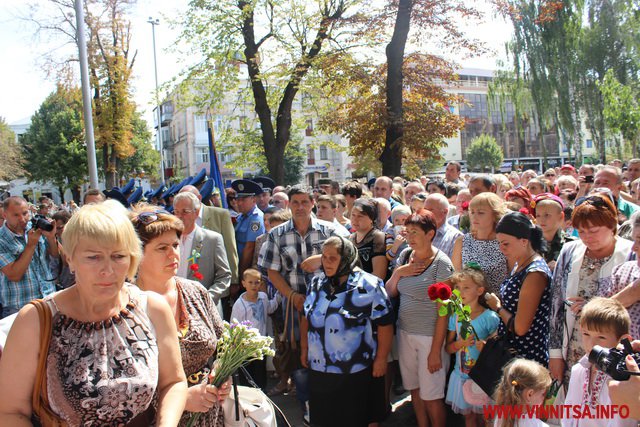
(37, 281)
(446, 237)
(418, 314)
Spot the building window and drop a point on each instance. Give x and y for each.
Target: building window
(589, 143)
(309, 130)
(324, 155)
(311, 156)
(202, 155)
(201, 124)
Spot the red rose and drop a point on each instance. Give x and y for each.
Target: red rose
(198, 275)
(524, 211)
(194, 267)
(465, 206)
(444, 291)
(432, 291)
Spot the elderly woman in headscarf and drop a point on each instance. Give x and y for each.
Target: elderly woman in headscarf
(346, 336)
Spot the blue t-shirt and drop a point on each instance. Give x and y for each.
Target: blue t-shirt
(248, 227)
(485, 325)
(341, 335)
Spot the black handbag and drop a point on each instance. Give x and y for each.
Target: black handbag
(495, 354)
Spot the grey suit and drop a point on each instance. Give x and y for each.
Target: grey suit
(212, 262)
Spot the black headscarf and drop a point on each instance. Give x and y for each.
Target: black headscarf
(348, 262)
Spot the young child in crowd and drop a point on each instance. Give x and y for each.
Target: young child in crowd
(548, 211)
(463, 397)
(524, 384)
(254, 306)
(603, 322)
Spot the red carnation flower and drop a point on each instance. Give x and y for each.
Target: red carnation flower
(465, 206)
(198, 275)
(524, 211)
(432, 291)
(194, 267)
(444, 291)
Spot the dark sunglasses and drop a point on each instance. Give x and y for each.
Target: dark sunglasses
(146, 218)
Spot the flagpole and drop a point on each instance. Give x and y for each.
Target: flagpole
(214, 165)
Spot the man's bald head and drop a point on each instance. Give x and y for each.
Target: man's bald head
(191, 189)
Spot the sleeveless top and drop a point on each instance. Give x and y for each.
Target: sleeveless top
(102, 373)
(487, 254)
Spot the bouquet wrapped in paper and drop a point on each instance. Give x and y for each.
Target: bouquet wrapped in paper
(239, 345)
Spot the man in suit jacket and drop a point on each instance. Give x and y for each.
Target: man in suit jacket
(201, 246)
(218, 220)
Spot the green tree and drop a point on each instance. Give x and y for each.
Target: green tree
(54, 147)
(145, 157)
(275, 45)
(442, 17)
(362, 116)
(484, 153)
(110, 70)
(621, 109)
(10, 153)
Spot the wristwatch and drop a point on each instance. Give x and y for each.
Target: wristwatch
(499, 309)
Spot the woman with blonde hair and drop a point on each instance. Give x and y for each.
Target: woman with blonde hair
(112, 346)
(480, 245)
(502, 184)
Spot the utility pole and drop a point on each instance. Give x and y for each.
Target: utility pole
(86, 95)
(153, 23)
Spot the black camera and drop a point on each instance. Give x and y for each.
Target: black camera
(611, 360)
(40, 222)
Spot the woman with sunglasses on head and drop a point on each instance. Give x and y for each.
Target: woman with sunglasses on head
(112, 346)
(583, 271)
(195, 315)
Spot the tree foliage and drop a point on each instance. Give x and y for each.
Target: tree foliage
(277, 44)
(54, 143)
(362, 117)
(145, 157)
(563, 49)
(110, 69)
(10, 153)
(441, 17)
(484, 153)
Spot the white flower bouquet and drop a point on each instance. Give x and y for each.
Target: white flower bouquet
(239, 345)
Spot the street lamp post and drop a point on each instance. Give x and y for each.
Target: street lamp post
(153, 23)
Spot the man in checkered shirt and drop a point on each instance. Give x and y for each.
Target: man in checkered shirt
(286, 247)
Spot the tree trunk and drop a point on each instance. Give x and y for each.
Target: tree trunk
(391, 156)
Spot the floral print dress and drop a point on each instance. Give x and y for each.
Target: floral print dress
(102, 373)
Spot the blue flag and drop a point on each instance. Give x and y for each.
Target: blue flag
(214, 166)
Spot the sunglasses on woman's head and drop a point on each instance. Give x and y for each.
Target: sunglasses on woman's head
(597, 201)
(146, 218)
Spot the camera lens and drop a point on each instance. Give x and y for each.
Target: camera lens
(43, 224)
(599, 356)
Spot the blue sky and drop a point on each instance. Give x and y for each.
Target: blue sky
(24, 85)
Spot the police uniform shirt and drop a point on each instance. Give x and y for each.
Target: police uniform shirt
(249, 227)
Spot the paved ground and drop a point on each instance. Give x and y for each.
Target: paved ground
(402, 415)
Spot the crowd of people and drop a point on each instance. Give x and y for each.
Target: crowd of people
(339, 276)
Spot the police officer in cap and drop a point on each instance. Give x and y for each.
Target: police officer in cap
(267, 185)
(250, 223)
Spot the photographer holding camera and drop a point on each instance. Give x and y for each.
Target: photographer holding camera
(25, 247)
(628, 392)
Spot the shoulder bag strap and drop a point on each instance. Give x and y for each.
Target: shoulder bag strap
(39, 396)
